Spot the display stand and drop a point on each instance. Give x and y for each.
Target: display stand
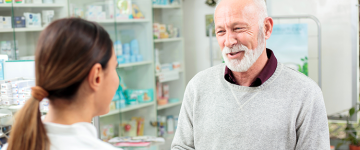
(170, 50)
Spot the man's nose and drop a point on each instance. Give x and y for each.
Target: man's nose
(230, 40)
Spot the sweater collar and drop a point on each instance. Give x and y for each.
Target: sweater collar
(264, 75)
(277, 72)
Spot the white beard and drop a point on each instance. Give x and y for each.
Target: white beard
(248, 59)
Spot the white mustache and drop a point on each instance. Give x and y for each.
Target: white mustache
(235, 49)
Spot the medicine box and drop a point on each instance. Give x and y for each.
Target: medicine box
(19, 22)
(6, 102)
(166, 67)
(32, 19)
(6, 86)
(6, 92)
(6, 22)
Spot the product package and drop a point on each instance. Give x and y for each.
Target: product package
(32, 20)
(136, 12)
(156, 30)
(134, 45)
(19, 22)
(8, 1)
(126, 49)
(20, 1)
(124, 10)
(118, 48)
(176, 65)
(166, 93)
(170, 124)
(48, 16)
(133, 58)
(1, 1)
(95, 12)
(121, 59)
(141, 96)
(166, 67)
(139, 58)
(159, 90)
(107, 132)
(6, 22)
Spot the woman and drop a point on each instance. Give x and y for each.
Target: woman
(75, 68)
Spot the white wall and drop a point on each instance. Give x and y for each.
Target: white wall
(339, 21)
(197, 55)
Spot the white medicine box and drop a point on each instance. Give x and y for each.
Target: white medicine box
(6, 22)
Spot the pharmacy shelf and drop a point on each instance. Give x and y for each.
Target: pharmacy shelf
(134, 64)
(166, 6)
(17, 108)
(158, 74)
(107, 21)
(22, 30)
(128, 108)
(33, 5)
(169, 105)
(167, 40)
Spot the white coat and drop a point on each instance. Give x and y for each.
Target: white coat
(78, 136)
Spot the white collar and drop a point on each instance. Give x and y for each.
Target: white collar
(81, 128)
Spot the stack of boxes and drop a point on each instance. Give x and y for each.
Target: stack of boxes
(21, 91)
(16, 92)
(95, 12)
(163, 31)
(128, 52)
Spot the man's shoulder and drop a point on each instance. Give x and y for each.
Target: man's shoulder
(208, 75)
(297, 78)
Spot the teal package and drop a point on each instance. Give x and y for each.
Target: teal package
(141, 96)
(146, 96)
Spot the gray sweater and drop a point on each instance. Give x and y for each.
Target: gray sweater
(286, 112)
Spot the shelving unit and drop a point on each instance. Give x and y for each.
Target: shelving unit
(169, 105)
(158, 74)
(166, 6)
(135, 64)
(138, 75)
(167, 40)
(33, 5)
(129, 108)
(21, 30)
(106, 21)
(171, 50)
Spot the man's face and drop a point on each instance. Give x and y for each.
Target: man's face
(237, 30)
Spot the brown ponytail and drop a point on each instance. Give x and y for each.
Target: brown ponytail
(66, 51)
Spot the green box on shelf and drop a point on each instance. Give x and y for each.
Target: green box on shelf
(141, 96)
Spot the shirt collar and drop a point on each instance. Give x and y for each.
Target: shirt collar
(81, 128)
(264, 75)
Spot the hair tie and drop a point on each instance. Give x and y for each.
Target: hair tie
(39, 93)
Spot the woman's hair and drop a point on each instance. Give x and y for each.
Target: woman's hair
(66, 51)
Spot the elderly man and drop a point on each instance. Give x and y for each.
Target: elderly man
(252, 101)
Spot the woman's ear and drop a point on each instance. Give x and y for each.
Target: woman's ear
(268, 25)
(95, 77)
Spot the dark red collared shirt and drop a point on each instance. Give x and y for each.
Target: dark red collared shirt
(265, 74)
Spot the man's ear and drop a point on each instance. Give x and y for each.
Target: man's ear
(268, 26)
(95, 77)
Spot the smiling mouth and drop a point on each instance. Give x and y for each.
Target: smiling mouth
(232, 54)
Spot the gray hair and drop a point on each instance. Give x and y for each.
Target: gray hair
(261, 5)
